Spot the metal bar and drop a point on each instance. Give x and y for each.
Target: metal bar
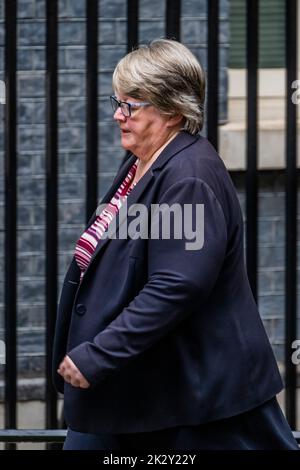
(10, 216)
(53, 435)
(173, 13)
(252, 125)
(132, 24)
(91, 107)
(212, 108)
(32, 435)
(132, 35)
(51, 205)
(291, 212)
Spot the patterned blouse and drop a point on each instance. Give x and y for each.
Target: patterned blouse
(88, 241)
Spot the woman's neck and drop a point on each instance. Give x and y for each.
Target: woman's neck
(144, 165)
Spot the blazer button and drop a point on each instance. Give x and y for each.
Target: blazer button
(80, 309)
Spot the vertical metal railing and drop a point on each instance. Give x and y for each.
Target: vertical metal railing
(252, 141)
(212, 105)
(291, 19)
(132, 24)
(173, 15)
(91, 106)
(51, 204)
(10, 216)
(132, 36)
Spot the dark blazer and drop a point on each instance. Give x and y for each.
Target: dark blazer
(166, 336)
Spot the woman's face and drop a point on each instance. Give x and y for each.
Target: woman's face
(145, 131)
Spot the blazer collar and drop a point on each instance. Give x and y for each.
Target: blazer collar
(180, 142)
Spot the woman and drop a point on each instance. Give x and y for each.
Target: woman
(159, 343)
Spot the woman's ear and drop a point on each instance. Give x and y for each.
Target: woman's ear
(175, 120)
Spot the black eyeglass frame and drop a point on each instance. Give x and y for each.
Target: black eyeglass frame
(125, 105)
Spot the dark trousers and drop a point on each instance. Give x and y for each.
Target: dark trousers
(263, 428)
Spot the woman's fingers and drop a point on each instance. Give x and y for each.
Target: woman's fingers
(71, 374)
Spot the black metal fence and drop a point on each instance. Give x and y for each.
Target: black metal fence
(172, 29)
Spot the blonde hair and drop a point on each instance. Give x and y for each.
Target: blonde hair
(169, 76)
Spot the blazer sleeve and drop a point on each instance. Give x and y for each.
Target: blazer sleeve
(180, 273)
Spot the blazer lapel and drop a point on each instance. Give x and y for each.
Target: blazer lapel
(132, 198)
(121, 175)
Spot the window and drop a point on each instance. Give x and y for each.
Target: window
(271, 33)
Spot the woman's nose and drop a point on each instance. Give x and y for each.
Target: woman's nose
(119, 116)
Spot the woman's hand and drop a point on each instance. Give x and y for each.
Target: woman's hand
(71, 374)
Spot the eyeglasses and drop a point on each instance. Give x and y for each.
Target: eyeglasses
(125, 106)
